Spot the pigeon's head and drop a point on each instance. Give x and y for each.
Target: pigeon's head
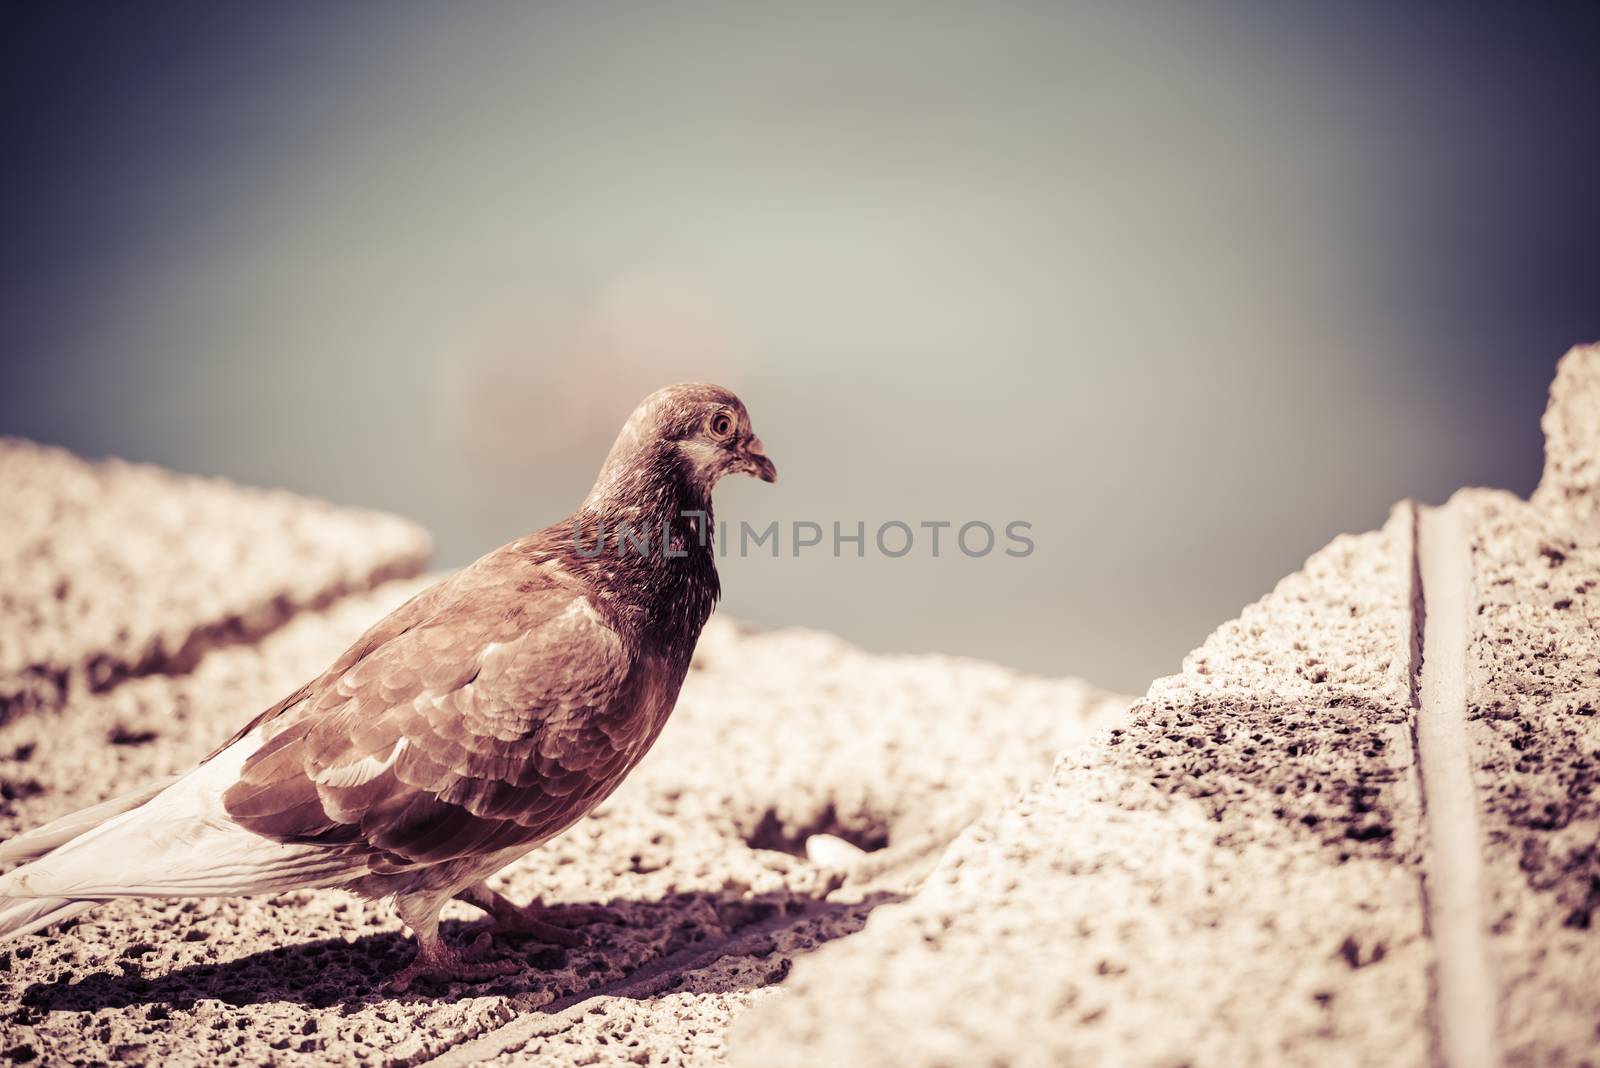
(699, 432)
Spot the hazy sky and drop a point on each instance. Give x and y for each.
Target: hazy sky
(1189, 288)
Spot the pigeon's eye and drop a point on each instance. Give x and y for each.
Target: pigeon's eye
(721, 425)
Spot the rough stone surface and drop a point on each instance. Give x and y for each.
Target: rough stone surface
(1571, 427)
(686, 1023)
(778, 737)
(104, 571)
(1230, 877)
(1534, 727)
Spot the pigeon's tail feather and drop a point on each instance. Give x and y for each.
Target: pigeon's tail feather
(27, 915)
(57, 833)
(171, 860)
(182, 843)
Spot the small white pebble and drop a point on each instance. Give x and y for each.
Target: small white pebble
(830, 851)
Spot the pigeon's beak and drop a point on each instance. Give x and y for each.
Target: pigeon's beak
(756, 462)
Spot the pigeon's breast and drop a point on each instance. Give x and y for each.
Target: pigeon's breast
(631, 726)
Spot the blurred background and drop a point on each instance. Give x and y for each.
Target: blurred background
(1191, 288)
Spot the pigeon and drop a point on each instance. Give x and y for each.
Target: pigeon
(480, 719)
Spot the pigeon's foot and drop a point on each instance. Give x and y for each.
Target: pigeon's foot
(437, 962)
(548, 925)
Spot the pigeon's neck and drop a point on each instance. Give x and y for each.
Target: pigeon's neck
(649, 530)
(646, 489)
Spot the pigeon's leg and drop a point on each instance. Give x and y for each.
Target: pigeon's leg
(534, 918)
(434, 959)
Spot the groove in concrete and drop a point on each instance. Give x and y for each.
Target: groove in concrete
(1465, 1001)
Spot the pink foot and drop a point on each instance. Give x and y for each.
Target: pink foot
(438, 962)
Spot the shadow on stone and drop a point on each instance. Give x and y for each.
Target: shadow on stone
(330, 973)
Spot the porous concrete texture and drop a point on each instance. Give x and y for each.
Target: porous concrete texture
(109, 568)
(1533, 696)
(1534, 730)
(779, 739)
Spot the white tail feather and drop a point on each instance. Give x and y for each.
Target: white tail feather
(27, 915)
(58, 832)
(179, 843)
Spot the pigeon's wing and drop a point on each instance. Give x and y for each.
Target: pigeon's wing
(415, 611)
(497, 722)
